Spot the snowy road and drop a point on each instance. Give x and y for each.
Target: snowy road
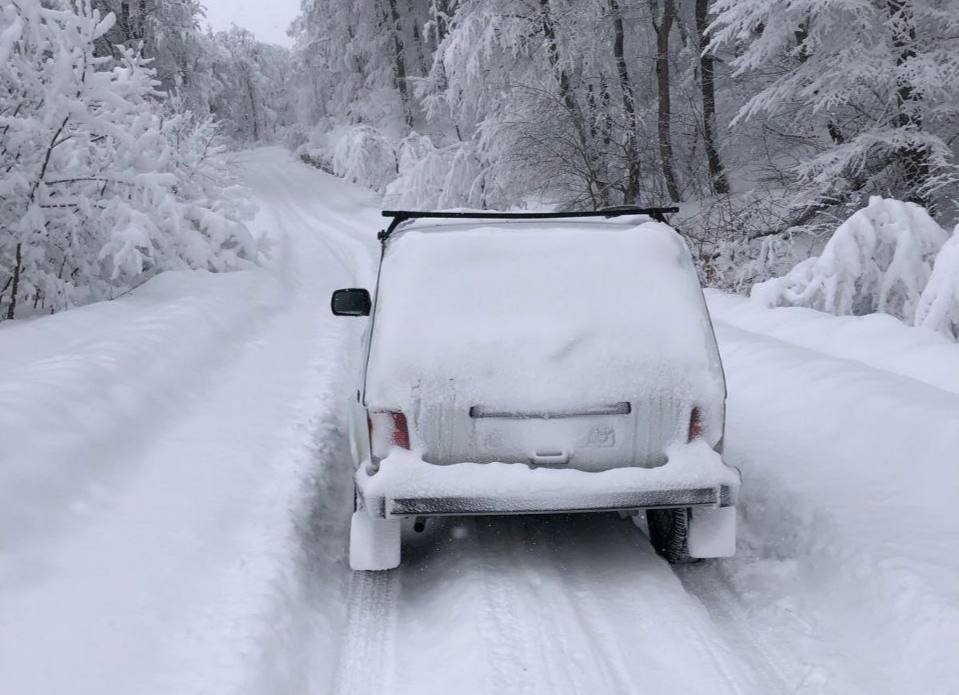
(198, 545)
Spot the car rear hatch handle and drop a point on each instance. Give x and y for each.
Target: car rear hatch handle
(547, 458)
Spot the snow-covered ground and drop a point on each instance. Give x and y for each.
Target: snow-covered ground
(175, 497)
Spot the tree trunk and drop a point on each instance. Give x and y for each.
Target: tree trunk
(418, 39)
(12, 307)
(399, 63)
(717, 175)
(600, 129)
(802, 35)
(664, 119)
(440, 11)
(915, 160)
(139, 31)
(631, 188)
(565, 91)
(566, 95)
(249, 89)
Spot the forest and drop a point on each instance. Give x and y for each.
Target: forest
(769, 122)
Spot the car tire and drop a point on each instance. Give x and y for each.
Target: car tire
(669, 534)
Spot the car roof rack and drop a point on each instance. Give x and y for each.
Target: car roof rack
(401, 216)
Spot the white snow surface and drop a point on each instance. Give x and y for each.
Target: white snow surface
(877, 340)
(846, 431)
(589, 313)
(176, 494)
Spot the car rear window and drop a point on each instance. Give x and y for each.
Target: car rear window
(527, 314)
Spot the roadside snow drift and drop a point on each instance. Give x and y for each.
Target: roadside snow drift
(848, 500)
(80, 390)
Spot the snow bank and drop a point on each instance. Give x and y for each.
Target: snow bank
(73, 386)
(877, 340)
(879, 260)
(525, 315)
(848, 503)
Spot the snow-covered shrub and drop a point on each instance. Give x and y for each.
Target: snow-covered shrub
(437, 177)
(879, 260)
(736, 239)
(100, 183)
(938, 307)
(358, 153)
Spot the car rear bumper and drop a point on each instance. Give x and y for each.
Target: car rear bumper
(406, 486)
(389, 507)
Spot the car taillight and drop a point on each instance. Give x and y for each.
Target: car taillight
(401, 433)
(695, 425)
(387, 429)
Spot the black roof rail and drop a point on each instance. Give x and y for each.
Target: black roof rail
(400, 216)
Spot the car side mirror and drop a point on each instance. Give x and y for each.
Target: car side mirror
(351, 302)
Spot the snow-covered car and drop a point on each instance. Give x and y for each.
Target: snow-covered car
(538, 363)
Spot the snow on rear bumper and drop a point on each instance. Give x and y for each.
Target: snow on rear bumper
(405, 485)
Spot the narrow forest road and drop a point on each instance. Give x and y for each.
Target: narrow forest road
(200, 545)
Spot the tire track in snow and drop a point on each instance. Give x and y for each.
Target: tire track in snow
(582, 605)
(596, 612)
(503, 622)
(346, 248)
(367, 657)
(775, 672)
(608, 657)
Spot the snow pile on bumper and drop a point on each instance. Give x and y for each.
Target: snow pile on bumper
(405, 485)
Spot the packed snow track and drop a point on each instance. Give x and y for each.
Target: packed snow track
(175, 494)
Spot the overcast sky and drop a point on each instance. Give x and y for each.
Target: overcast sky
(268, 19)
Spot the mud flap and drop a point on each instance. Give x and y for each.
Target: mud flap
(374, 543)
(712, 532)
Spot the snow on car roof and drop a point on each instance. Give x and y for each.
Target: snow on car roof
(530, 313)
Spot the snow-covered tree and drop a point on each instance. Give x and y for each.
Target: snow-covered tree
(249, 97)
(867, 90)
(557, 100)
(100, 183)
(231, 75)
(168, 33)
(345, 61)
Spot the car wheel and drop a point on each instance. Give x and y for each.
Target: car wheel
(669, 533)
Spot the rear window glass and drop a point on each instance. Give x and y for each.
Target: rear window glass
(531, 314)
